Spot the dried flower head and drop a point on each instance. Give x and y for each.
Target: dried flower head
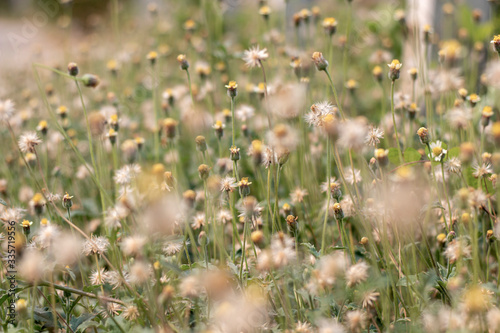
(254, 56)
(28, 141)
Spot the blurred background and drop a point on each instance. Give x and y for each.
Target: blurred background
(41, 30)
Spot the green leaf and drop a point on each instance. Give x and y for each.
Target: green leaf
(311, 249)
(45, 316)
(75, 322)
(83, 327)
(411, 155)
(6, 295)
(454, 152)
(2, 201)
(406, 281)
(471, 180)
(393, 156)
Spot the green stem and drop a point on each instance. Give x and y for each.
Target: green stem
(328, 193)
(401, 160)
(190, 87)
(233, 123)
(335, 94)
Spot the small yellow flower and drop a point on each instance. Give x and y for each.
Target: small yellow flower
(42, 126)
(152, 56)
(394, 69)
(232, 85)
(190, 25)
(182, 60)
(487, 112)
(265, 11)
(351, 84)
(395, 64)
(496, 43)
(330, 25)
(26, 224)
(441, 238)
(38, 199)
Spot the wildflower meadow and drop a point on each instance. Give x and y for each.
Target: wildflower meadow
(250, 166)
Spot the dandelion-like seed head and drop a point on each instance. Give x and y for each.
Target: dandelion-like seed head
(28, 141)
(254, 56)
(6, 110)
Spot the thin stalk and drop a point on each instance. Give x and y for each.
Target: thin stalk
(190, 87)
(401, 160)
(243, 252)
(269, 198)
(91, 144)
(335, 94)
(446, 196)
(276, 199)
(156, 138)
(233, 123)
(328, 193)
(265, 93)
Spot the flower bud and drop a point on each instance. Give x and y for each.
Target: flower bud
(330, 25)
(291, 222)
(169, 179)
(413, 73)
(337, 210)
(112, 134)
(26, 227)
(496, 43)
(201, 143)
(66, 201)
(382, 156)
(129, 150)
(423, 134)
(473, 99)
(90, 80)
(486, 114)
(22, 307)
(232, 89)
(377, 73)
(181, 58)
(441, 238)
(264, 11)
(287, 209)
(219, 129)
(490, 236)
(257, 237)
(244, 186)
(189, 197)
(234, 153)
(203, 239)
(170, 125)
(73, 69)
(152, 56)
(42, 127)
(97, 124)
(394, 69)
(204, 171)
(320, 61)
